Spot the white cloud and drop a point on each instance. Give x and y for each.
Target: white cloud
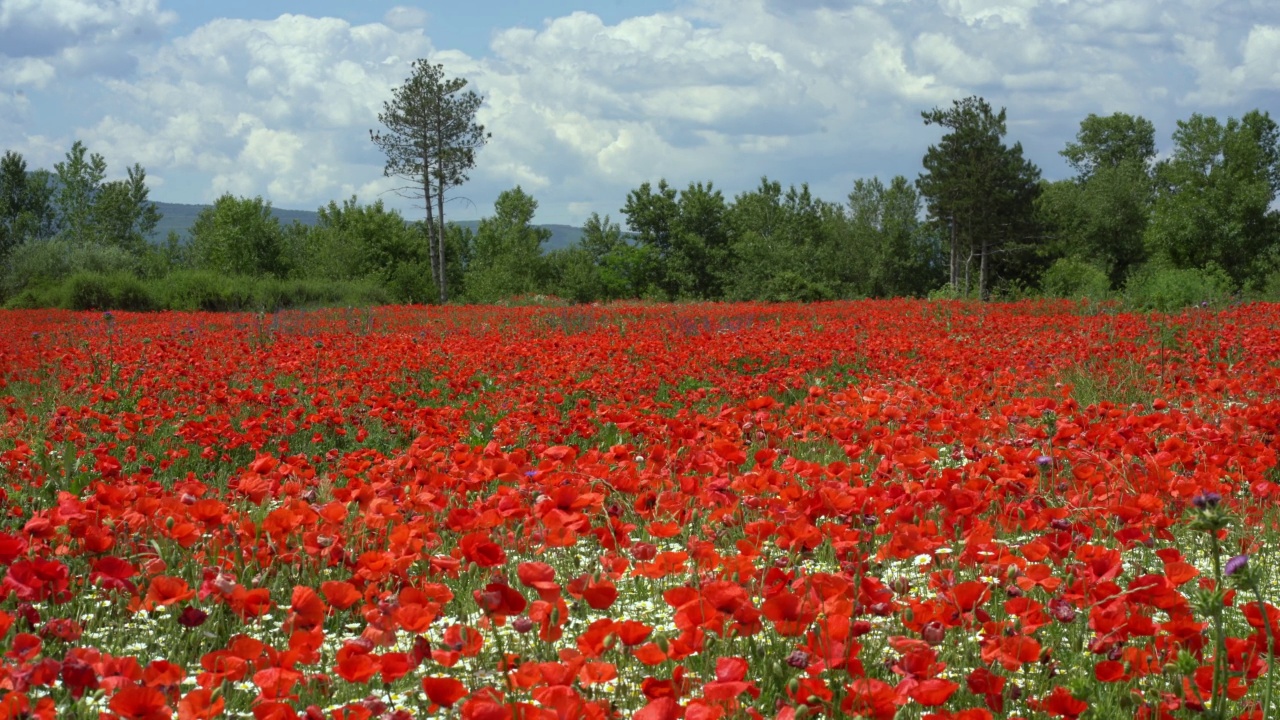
(77, 37)
(279, 108)
(403, 17)
(941, 55)
(582, 111)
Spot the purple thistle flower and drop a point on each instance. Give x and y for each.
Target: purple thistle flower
(1235, 565)
(1206, 500)
(1044, 460)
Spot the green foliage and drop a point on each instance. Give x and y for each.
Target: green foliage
(1103, 213)
(49, 262)
(1075, 278)
(790, 286)
(1110, 142)
(190, 290)
(773, 233)
(431, 141)
(26, 204)
(121, 215)
(1215, 194)
(410, 284)
(898, 254)
(1169, 288)
(96, 291)
(83, 209)
(79, 181)
(353, 241)
(685, 239)
(507, 259)
(160, 259)
(239, 236)
(1267, 288)
(982, 190)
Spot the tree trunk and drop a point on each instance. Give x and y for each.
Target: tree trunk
(444, 268)
(955, 257)
(982, 269)
(431, 231)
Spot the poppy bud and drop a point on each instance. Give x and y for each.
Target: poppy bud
(933, 632)
(1061, 610)
(192, 617)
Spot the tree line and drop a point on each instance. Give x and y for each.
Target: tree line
(1196, 222)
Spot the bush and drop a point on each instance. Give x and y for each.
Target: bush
(1075, 279)
(1266, 288)
(97, 291)
(1167, 289)
(193, 290)
(411, 284)
(790, 286)
(51, 262)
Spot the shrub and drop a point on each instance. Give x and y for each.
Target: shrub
(192, 290)
(791, 286)
(1167, 289)
(99, 291)
(88, 291)
(1075, 279)
(50, 262)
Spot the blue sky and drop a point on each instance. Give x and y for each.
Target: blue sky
(586, 100)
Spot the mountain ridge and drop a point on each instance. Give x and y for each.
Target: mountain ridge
(179, 217)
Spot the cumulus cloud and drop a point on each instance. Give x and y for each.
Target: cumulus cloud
(279, 108)
(403, 17)
(582, 111)
(39, 38)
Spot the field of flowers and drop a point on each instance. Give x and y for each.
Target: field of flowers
(876, 509)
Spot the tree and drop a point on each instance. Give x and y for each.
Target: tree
(1101, 215)
(778, 237)
(980, 190)
(79, 182)
(602, 265)
(239, 236)
(687, 234)
(1110, 142)
(652, 216)
(898, 253)
(431, 141)
(507, 258)
(353, 241)
(26, 207)
(122, 215)
(1214, 197)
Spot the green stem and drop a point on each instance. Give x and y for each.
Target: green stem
(1218, 696)
(1271, 649)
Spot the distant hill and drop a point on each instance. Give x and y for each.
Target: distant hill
(179, 218)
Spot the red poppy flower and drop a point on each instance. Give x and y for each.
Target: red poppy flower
(306, 610)
(340, 595)
(443, 691)
(135, 702)
(499, 599)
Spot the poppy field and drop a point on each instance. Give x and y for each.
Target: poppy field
(896, 509)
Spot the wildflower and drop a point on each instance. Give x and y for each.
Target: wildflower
(192, 617)
(798, 659)
(1235, 565)
(1044, 461)
(1206, 500)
